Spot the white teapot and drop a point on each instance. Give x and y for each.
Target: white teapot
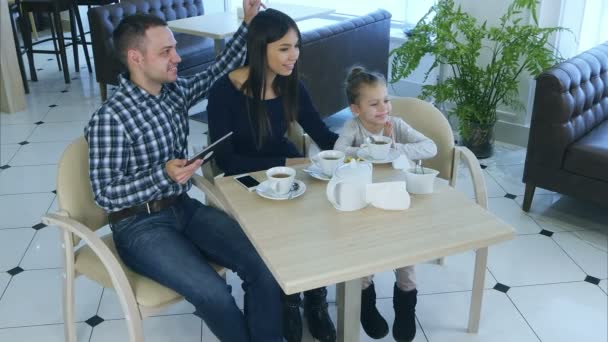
(346, 189)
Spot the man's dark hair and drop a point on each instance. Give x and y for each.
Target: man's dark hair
(131, 31)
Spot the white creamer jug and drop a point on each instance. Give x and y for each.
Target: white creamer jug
(347, 188)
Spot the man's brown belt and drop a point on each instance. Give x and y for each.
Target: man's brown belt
(149, 208)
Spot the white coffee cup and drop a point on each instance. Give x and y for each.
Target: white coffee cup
(328, 161)
(420, 180)
(378, 147)
(280, 179)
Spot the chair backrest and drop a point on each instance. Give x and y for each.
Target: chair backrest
(428, 120)
(74, 191)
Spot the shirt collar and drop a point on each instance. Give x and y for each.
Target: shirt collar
(136, 92)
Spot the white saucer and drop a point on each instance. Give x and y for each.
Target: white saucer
(392, 155)
(265, 192)
(315, 172)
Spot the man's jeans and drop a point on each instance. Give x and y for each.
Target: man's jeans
(174, 247)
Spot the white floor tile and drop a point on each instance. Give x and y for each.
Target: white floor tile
(45, 250)
(23, 210)
(54, 206)
(510, 178)
(564, 312)
(110, 308)
(35, 110)
(4, 279)
(13, 244)
(444, 317)
(510, 212)
(465, 185)
(183, 328)
(28, 179)
(592, 260)
(39, 153)
(197, 127)
(7, 152)
(46, 333)
(596, 238)
(455, 275)
(530, 260)
(42, 288)
(58, 131)
(12, 134)
(70, 112)
(559, 213)
(506, 154)
(604, 285)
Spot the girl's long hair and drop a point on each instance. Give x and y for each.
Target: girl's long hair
(267, 27)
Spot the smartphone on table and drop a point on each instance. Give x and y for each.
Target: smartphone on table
(247, 181)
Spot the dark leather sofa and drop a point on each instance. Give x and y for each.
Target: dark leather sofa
(197, 53)
(568, 143)
(328, 52)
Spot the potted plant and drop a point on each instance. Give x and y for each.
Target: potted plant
(483, 62)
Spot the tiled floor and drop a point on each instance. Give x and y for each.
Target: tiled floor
(549, 284)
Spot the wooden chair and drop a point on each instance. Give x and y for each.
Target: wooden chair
(428, 120)
(79, 218)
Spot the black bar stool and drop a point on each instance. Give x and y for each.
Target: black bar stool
(54, 7)
(12, 9)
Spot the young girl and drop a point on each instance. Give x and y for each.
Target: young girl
(257, 103)
(368, 99)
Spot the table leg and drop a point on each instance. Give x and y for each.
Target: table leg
(348, 298)
(218, 45)
(481, 261)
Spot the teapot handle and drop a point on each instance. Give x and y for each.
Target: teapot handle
(331, 194)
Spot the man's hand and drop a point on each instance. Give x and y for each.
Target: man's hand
(296, 161)
(251, 8)
(179, 172)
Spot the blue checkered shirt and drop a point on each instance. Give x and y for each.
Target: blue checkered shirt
(134, 134)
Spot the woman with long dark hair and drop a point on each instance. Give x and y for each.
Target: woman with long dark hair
(258, 102)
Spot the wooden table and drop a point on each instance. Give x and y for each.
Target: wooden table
(222, 25)
(306, 243)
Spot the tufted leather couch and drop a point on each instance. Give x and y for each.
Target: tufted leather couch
(568, 144)
(197, 53)
(328, 52)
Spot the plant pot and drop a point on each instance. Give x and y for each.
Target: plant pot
(478, 137)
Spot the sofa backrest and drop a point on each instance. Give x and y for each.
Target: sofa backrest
(104, 19)
(571, 99)
(327, 54)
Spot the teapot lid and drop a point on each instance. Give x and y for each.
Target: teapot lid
(353, 168)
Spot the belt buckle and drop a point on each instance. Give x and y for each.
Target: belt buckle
(148, 207)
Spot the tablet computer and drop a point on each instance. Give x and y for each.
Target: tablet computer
(208, 151)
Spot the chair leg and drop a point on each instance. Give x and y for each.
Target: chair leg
(69, 320)
(83, 39)
(528, 195)
(103, 89)
(27, 41)
(74, 40)
(64, 59)
(26, 88)
(54, 37)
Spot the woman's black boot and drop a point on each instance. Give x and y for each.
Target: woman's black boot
(404, 303)
(319, 323)
(292, 321)
(373, 323)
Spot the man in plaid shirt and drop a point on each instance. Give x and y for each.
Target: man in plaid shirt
(137, 159)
